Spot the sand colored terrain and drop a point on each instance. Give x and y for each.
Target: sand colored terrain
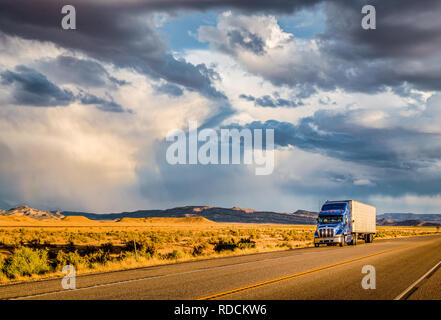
(80, 221)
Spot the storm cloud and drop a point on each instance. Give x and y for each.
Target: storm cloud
(121, 33)
(403, 50)
(401, 158)
(32, 88)
(83, 72)
(270, 101)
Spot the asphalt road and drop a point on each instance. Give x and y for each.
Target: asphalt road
(401, 266)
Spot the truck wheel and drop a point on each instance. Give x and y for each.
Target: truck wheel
(354, 239)
(316, 245)
(372, 238)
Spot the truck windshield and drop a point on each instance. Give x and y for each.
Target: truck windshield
(334, 206)
(330, 219)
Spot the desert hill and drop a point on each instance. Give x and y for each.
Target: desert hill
(436, 218)
(407, 223)
(217, 214)
(31, 213)
(185, 220)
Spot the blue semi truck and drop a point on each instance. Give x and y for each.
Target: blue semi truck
(345, 222)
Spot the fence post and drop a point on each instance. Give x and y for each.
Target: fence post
(136, 253)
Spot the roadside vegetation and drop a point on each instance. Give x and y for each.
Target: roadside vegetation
(38, 252)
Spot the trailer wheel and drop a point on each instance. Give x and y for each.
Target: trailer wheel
(316, 245)
(367, 238)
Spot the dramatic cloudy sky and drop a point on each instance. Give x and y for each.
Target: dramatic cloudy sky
(84, 113)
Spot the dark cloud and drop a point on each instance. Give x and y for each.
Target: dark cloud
(279, 6)
(271, 102)
(122, 33)
(83, 72)
(247, 97)
(405, 28)
(32, 88)
(336, 135)
(401, 158)
(247, 41)
(170, 89)
(102, 104)
(404, 49)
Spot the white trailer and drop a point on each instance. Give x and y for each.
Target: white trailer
(363, 218)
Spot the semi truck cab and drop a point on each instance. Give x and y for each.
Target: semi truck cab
(332, 224)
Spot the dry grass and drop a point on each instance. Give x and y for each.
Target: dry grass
(159, 240)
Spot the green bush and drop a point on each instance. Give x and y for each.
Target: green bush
(99, 256)
(246, 243)
(68, 258)
(175, 254)
(107, 247)
(225, 244)
(143, 247)
(26, 262)
(231, 244)
(199, 249)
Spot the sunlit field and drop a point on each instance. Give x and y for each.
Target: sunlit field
(33, 249)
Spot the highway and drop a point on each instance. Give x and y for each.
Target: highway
(406, 268)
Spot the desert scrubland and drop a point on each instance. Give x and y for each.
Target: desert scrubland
(33, 249)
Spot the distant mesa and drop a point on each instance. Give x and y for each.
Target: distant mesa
(217, 214)
(407, 223)
(410, 217)
(199, 209)
(185, 220)
(32, 213)
(244, 210)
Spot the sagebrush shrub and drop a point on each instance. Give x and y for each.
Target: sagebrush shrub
(246, 243)
(175, 254)
(26, 262)
(199, 249)
(225, 244)
(68, 258)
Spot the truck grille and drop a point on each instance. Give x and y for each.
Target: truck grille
(326, 233)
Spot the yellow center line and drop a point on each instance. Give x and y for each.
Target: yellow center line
(296, 275)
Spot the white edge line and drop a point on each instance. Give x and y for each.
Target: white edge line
(413, 285)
